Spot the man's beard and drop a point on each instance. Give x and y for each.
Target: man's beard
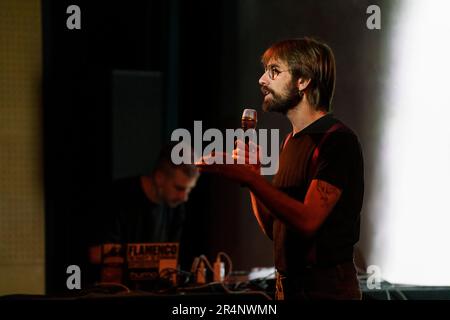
(282, 103)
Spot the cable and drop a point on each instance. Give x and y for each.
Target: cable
(401, 294)
(265, 277)
(227, 290)
(205, 259)
(113, 284)
(230, 263)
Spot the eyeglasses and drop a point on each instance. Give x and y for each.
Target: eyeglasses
(273, 72)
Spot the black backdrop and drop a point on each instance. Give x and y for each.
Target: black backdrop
(175, 38)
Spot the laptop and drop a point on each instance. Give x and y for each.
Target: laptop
(140, 265)
(113, 263)
(151, 261)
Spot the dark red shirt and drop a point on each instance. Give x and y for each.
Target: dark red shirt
(339, 163)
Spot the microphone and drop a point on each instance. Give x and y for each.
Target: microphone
(249, 119)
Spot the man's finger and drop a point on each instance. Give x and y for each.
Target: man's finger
(216, 158)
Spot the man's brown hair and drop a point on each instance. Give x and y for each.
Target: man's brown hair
(309, 59)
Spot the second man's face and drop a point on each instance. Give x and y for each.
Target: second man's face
(175, 189)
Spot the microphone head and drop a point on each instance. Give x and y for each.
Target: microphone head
(249, 119)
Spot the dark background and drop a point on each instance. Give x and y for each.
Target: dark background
(205, 60)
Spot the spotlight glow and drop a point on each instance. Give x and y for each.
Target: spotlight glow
(413, 207)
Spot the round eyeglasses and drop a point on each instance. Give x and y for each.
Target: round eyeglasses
(273, 72)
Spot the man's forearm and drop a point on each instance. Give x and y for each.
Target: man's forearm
(281, 206)
(265, 220)
(305, 217)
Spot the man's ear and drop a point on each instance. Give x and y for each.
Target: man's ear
(302, 83)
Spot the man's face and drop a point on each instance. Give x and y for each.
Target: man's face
(175, 188)
(280, 93)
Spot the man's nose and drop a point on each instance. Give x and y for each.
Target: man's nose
(264, 80)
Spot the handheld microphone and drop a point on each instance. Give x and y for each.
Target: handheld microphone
(249, 119)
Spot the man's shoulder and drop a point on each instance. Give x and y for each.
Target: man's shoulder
(343, 143)
(337, 129)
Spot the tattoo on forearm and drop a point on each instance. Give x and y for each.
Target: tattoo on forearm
(326, 192)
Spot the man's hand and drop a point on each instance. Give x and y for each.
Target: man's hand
(248, 154)
(242, 166)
